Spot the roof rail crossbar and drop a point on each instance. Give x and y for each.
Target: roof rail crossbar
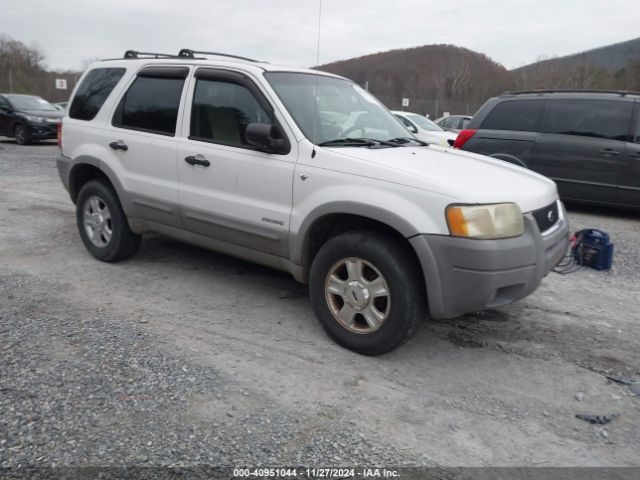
(188, 53)
(136, 54)
(572, 90)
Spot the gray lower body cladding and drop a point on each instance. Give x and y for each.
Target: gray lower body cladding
(465, 275)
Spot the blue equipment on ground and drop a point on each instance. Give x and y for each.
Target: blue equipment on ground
(592, 248)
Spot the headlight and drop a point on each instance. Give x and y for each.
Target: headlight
(499, 220)
(33, 118)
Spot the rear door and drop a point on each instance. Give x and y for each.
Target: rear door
(144, 145)
(629, 188)
(229, 190)
(581, 146)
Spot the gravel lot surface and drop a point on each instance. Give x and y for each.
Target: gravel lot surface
(180, 356)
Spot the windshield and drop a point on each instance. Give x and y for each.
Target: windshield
(424, 123)
(340, 110)
(26, 102)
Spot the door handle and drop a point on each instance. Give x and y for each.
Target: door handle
(609, 151)
(197, 160)
(119, 145)
(635, 155)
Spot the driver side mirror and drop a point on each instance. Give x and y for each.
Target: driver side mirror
(6, 109)
(412, 129)
(269, 138)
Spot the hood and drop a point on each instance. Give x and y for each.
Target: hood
(463, 176)
(439, 138)
(43, 113)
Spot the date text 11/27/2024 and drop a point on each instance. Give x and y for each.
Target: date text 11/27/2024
(315, 473)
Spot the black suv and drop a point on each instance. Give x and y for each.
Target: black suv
(588, 142)
(27, 118)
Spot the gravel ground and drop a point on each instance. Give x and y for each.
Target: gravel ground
(180, 357)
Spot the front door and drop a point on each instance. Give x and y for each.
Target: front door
(581, 145)
(229, 190)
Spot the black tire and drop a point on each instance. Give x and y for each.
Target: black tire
(122, 242)
(21, 134)
(397, 265)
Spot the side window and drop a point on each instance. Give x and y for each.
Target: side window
(93, 91)
(407, 123)
(222, 110)
(588, 118)
(447, 122)
(151, 105)
(465, 123)
(4, 104)
(514, 115)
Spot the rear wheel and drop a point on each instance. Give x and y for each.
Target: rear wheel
(367, 292)
(103, 224)
(21, 134)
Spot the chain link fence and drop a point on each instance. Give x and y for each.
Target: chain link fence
(433, 108)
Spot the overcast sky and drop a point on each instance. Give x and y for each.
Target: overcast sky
(512, 32)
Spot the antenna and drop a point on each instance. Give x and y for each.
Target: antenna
(318, 44)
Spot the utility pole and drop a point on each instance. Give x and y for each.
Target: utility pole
(10, 82)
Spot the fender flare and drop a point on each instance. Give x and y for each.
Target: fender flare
(108, 172)
(299, 241)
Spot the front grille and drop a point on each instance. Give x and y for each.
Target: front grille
(547, 217)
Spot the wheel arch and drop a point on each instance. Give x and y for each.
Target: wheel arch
(85, 169)
(329, 221)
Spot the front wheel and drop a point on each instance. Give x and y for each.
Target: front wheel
(367, 292)
(21, 134)
(103, 224)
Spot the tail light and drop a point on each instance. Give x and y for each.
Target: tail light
(463, 137)
(60, 135)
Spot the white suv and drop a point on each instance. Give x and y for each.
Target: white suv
(306, 172)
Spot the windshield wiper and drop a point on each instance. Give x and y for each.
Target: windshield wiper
(403, 140)
(347, 142)
(356, 142)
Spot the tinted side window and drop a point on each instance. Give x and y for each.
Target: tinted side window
(406, 122)
(151, 105)
(589, 118)
(514, 115)
(93, 91)
(222, 110)
(447, 122)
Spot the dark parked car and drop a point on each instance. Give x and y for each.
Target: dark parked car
(588, 142)
(27, 118)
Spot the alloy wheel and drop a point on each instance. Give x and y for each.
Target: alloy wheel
(358, 295)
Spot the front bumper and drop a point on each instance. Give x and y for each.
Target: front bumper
(42, 130)
(465, 275)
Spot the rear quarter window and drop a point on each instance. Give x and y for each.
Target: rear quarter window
(514, 115)
(588, 118)
(93, 91)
